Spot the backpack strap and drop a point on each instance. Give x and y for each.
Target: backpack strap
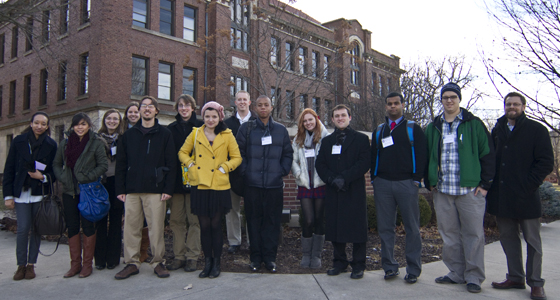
(410, 131)
(377, 134)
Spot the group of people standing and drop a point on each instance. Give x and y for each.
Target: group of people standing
(141, 162)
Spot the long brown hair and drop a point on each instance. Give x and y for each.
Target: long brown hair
(104, 129)
(301, 131)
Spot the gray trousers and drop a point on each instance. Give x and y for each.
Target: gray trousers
(511, 243)
(460, 223)
(389, 195)
(27, 245)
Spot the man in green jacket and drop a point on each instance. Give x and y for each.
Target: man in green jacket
(460, 172)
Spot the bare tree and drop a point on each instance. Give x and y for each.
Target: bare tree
(422, 82)
(532, 45)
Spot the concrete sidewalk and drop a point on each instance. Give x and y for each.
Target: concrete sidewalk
(49, 283)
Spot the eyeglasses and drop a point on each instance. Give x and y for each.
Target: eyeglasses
(150, 106)
(513, 104)
(447, 98)
(184, 106)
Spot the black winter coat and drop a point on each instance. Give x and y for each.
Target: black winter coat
(146, 163)
(523, 160)
(264, 166)
(179, 136)
(235, 178)
(19, 157)
(345, 211)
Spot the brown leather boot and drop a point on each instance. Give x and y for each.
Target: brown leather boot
(89, 249)
(144, 245)
(30, 271)
(75, 246)
(20, 273)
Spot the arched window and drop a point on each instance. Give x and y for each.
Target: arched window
(354, 64)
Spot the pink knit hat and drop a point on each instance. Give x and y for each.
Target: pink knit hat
(216, 106)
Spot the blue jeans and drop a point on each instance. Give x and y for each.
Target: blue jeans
(25, 213)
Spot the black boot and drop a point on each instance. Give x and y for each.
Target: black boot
(215, 268)
(207, 267)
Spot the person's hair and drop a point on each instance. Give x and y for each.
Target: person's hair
(394, 94)
(263, 97)
(154, 101)
(341, 106)
(79, 117)
(301, 131)
(104, 129)
(242, 91)
(39, 113)
(126, 122)
(516, 94)
(187, 99)
(221, 124)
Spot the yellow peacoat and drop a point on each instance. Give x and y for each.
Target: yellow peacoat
(205, 173)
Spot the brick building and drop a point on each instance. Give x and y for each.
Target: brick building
(66, 56)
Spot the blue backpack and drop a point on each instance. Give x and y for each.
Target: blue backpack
(409, 130)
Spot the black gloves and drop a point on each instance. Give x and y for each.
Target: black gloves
(338, 183)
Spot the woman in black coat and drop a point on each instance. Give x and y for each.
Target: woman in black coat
(29, 166)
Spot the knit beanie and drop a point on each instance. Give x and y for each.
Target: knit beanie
(216, 106)
(453, 87)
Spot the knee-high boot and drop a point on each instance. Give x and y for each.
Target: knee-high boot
(144, 245)
(306, 246)
(89, 250)
(317, 250)
(75, 246)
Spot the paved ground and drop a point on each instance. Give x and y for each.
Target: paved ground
(49, 283)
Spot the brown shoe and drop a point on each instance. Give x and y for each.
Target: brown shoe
(128, 271)
(144, 245)
(508, 284)
(89, 249)
(20, 273)
(537, 293)
(161, 271)
(191, 265)
(30, 272)
(176, 264)
(75, 246)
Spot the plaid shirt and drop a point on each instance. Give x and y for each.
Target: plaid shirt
(450, 166)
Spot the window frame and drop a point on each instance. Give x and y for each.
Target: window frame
(302, 60)
(193, 94)
(194, 20)
(43, 87)
(84, 74)
(26, 105)
(2, 48)
(64, 17)
(85, 11)
(145, 78)
(288, 56)
(29, 34)
(46, 26)
(147, 16)
(172, 21)
(240, 22)
(326, 68)
(63, 81)
(274, 51)
(12, 99)
(170, 74)
(15, 41)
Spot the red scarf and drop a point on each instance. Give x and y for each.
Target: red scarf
(74, 149)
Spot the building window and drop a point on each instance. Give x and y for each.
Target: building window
(374, 84)
(237, 84)
(12, 103)
(354, 65)
(302, 58)
(290, 107)
(315, 104)
(59, 130)
(275, 95)
(289, 56)
(302, 102)
(140, 13)
(239, 24)
(1, 99)
(274, 51)
(85, 10)
(381, 84)
(326, 68)
(139, 76)
(15, 33)
(84, 73)
(46, 26)
(44, 87)
(64, 17)
(27, 92)
(189, 23)
(2, 47)
(315, 64)
(9, 139)
(327, 113)
(29, 35)
(189, 81)
(166, 13)
(62, 81)
(165, 81)
(389, 85)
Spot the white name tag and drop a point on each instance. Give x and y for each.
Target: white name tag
(336, 149)
(449, 138)
(309, 152)
(40, 166)
(114, 151)
(388, 141)
(267, 140)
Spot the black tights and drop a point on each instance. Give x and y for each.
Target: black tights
(211, 236)
(313, 216)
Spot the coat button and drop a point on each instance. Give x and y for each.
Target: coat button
(199, 168)
(505, 147)
(212, 170)
(200, 155)
(503, 164)
(213, 157)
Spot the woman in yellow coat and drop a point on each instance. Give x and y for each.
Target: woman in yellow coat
(214, 154)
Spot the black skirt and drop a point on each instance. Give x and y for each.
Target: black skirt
(209, 202)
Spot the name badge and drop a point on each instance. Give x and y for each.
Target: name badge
(267, 140)
(40, 166)
(336, 149)
(449, 138)
(114, 151)
(388, 141)
(309, 152)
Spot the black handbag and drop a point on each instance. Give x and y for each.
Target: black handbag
(49, 219)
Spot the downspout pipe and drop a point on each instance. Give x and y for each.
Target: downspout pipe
(206, 51)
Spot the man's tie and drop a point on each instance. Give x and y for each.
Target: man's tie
(393, 124)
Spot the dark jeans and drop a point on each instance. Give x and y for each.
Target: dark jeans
(263, 210)
(340, 259)
(73, 217)
(108, 244)
(25, 213)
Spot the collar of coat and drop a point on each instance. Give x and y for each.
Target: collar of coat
(191, 120)
(467, 117)
(153, 129)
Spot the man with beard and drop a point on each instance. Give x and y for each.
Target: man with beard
(524, 157)
(145, 179)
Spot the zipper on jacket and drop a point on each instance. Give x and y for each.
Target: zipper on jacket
(149, 141)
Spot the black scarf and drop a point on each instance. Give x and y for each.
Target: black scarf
(34, 145)
(340, 135)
